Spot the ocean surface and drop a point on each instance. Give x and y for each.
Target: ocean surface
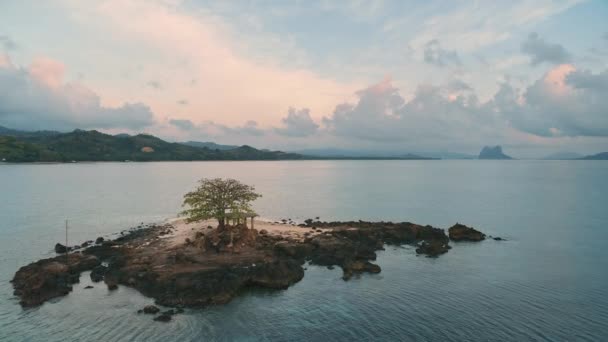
(547, 282)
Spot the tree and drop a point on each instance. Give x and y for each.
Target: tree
(214, 197)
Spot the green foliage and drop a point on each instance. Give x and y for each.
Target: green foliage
(16, 151)
(213, 197)
(95, 146)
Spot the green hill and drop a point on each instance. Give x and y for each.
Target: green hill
(82, 145)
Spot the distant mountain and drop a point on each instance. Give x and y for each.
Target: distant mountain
(18, 133)
(493, 153)
(82, 145)
(599, 156)
(334, 153)
(563, 156)
(447, 155)
(210, 145)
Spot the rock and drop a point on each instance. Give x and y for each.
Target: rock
(60, 249)
(357, 267)
(433, 248)
(460, 232)
(263, 232)
(231, 259)
(99, 240)
(50, 278)
(112, 284)
(493, 153)
(88, 287)
(497, 238)
(163, 318)
(98, 272)
(151, 309)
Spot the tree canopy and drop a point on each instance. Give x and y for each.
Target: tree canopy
(214, 197)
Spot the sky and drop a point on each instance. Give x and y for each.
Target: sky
(376, 75)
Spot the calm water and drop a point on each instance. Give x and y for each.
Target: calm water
(548, 282)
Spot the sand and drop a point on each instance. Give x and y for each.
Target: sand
(183, 230)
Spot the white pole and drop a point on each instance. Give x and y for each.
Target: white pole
(67, 259)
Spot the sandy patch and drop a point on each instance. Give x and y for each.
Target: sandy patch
(183, 230)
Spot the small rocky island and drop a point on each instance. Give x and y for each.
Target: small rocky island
(186, 263)
(494, 152)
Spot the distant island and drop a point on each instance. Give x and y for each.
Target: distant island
(80, 145)
(493, 153)
(598, 156)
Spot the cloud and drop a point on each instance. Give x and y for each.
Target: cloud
(565, 102)
(585, 79)
(218, 69)
(540, 51)
(7, 43)
(185, 125)
(249, 128)
(298, 123)
(39, 98)
(154, 85)
(458, 85)
(436, 55)
(605, 36)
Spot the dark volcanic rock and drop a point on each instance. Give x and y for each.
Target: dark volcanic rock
(219, 264)
(60, 249)
(98, 273)
(460, 232)
(99, 240)
(50, 278)
(151, 309)
(433, 248)
(112, 284)
(163, 318)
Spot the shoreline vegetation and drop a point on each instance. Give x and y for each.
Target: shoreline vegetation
(94, 146)
(46, 147)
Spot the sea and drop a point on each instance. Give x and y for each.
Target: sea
(548, 281)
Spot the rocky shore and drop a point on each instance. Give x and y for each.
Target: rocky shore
(209, 266)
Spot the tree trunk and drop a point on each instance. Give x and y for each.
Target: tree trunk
(221, 222)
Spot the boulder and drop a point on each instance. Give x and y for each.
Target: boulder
(432, 248)
(460, 232)
(151, 309)
(99, 240)
(163, 318)
(60, 249)
(98, 272)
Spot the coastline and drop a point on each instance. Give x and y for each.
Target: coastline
(197, 265)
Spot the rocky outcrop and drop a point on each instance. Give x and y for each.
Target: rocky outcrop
(493, 153)
(97, 273)
(151, 309)
(460, 232)
(50, 278)
(216, 265)
(60, 249)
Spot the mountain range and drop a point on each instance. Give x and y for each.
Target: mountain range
(80, 145)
